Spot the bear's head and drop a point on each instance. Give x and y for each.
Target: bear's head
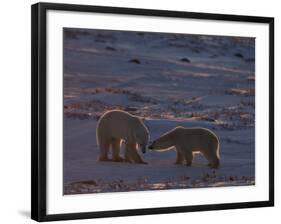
(166, 141)
(160, 144)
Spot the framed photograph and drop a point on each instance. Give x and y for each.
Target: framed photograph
(139, 111)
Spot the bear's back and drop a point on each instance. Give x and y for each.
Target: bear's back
(199, 131)
(116, 115)
(114, 121)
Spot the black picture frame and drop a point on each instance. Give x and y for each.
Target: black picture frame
(38, 108)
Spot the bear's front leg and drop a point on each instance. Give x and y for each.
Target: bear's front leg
(180, 157)
(132, 154)
(127, 154)
(188, 156)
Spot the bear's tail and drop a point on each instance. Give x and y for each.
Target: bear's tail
(98, 133)
(216, 162)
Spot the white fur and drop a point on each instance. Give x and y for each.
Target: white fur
(116, 126)
(189, 141)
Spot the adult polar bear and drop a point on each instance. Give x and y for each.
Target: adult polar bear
(188, 141)
(116, 126)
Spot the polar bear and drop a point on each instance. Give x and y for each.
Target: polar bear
(116, 126)
(189, 141)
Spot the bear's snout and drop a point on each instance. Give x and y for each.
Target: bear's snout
(143, 149)
(151, 145)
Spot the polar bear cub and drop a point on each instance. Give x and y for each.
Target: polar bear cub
(188, 141)
(116, 126)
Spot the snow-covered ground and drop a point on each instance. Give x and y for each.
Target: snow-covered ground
(171, 80)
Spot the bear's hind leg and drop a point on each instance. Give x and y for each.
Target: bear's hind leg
(212, 158)
(104, 147)
(115, 144)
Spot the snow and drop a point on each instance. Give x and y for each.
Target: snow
(143, 73)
